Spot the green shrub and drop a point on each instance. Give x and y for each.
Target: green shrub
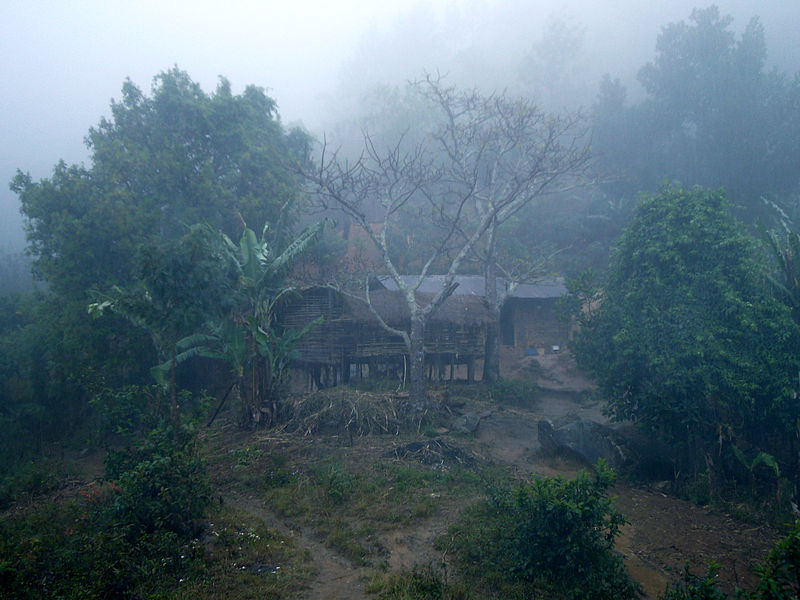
(126, 414)
(780, 573)
(547, 536)
(127, 537)
(337, 483)
(163, 485)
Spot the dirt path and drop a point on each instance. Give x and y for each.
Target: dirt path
(335, 577)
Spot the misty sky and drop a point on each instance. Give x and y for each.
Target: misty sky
(62, 62)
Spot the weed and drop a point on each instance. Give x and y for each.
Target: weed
(346, 541)
(246, 456)
(338, 485)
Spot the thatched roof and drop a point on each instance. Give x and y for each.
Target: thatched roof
(458, 310)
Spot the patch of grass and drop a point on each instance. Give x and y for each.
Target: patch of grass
(344, 499)
(246, 456)
(421, 583)
(353, 544)
(244, 559)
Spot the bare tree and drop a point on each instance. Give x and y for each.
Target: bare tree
(486, 158)
(510, 154)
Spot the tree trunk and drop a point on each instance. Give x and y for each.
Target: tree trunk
(416, 369)
(491, 353)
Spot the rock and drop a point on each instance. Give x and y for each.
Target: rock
(586, 440)
(625, 448)
(467, 423)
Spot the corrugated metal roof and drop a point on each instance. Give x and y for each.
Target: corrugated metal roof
(545, 287)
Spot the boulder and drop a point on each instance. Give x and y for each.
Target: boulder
(625, 449)
(467, 423)
(585, 440)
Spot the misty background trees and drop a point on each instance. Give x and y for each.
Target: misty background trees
(713, 115)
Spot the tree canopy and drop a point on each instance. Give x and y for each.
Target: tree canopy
(159, 164)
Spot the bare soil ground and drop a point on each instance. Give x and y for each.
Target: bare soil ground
(663, 534)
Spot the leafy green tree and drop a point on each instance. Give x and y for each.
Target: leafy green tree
(160, 163)
(687, 340)
(181, 285)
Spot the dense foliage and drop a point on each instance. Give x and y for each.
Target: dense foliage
(160, 163)
(548, 536)
(687, 339)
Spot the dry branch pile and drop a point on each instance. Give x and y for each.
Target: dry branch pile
(352, 412)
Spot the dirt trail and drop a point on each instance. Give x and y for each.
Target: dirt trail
(335, 577)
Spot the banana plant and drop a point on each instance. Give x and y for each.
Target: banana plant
(243, 334)
(762, 458)
(262, 274)
(247, 338)
(785, 253)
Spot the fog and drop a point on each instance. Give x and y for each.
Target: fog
(64, 62)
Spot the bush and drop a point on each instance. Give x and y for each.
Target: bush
(547, 536)
(163, 485)
(780, 573)
(124, 415)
